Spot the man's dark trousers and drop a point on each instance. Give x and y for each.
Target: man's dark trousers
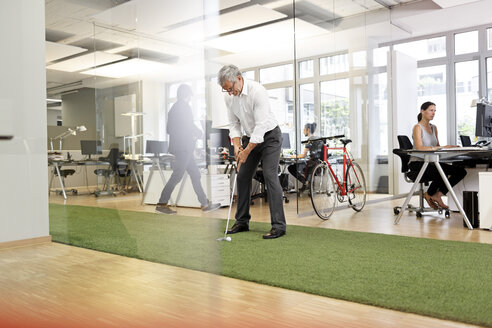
(268, 152)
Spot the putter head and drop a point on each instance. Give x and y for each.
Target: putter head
(227, 238)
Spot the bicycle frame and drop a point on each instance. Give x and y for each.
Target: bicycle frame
(347, 160)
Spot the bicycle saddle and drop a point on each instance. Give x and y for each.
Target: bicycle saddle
(345, 142)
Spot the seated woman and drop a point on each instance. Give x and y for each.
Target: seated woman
(425, 138)
(302, 170)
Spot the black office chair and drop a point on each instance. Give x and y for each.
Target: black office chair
(465, 141)
(63, 174)
(262, 193)
(410, 177)
(113, 173)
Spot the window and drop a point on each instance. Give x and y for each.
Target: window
(466, 74)
(381, 109)
(380, 56)
(306, 69)
(432, 87)
(249, 75)
(489, 38)
(306, 107)
(334, 105)
(359, 59)
(424, 49)
(333, 64)
(282, 102)
(465, 43)
(276, 74)
(489, 78)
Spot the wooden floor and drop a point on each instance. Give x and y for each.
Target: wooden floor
(54, 285)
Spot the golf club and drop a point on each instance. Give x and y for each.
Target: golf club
(226, 237)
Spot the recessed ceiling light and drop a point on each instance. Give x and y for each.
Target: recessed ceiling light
(86, 61)
(129, 67)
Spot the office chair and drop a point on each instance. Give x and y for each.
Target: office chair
(63, 174)
(263, 190)
(115, 172)
(410, 177)
(465, 141)
(316, 155)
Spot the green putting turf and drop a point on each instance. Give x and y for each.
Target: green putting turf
(443, 279)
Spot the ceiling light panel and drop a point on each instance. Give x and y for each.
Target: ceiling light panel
(215, 25)
(154, 16)
(272, 35)
(130, 42)
(86, 61)
(347, 7)
(452, 3)
(129, 67)
(55, 51)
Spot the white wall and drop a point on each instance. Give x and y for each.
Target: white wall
(23, 164)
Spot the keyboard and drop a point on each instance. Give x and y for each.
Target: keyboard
(469, 148)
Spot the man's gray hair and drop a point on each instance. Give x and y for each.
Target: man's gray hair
(228, 73)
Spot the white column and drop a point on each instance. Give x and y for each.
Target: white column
(23, 164)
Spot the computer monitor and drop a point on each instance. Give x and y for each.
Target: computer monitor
(156, 147)
(91, 147)
(483, 126)
(285, 141)
(219, 138)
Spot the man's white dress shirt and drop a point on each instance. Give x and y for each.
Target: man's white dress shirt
(251, 112)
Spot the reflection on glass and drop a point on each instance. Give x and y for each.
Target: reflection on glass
(333, 64)
(465, 43)
(306, 69)
(466, 91)
(276, 74)
(334, 105)
(432, 87)
(183, 135)
(424, 49)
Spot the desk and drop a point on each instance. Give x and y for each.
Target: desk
(57, 165)
(156, 166)
(434, 157)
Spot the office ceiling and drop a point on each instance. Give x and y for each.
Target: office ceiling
(170, 35)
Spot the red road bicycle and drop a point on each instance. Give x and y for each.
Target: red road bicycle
(329, 184)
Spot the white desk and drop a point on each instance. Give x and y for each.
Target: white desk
(434, 157)
(484, 204)
(57, 165)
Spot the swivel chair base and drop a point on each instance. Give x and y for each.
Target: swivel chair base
(419, 211)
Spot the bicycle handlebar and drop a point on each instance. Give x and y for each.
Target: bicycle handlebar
(324, 138)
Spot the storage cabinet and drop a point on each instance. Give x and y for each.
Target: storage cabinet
(216, 187)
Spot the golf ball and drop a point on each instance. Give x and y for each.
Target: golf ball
(228, 238)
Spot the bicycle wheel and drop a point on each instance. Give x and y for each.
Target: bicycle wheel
(356, 187)
(323, 191)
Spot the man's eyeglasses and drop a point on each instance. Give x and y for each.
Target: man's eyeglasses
(231, 89)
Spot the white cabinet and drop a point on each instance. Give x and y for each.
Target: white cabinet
(484, 203)
(469, 183)
(216, 187)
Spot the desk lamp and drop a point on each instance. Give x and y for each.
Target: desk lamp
(67, 133)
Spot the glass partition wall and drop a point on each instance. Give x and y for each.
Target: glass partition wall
(341, 85)
(320, 62)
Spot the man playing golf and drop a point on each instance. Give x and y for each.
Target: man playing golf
(249, 111)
